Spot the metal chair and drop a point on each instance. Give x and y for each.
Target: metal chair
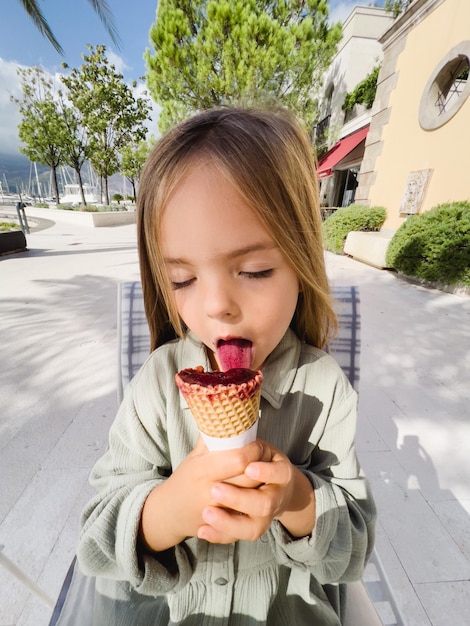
(367, 600)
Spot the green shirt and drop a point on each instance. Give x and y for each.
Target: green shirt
(308, 410)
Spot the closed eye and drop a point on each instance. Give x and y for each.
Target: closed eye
(260, 274)
(181, 285)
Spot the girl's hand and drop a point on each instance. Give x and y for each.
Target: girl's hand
(285, 494)
(173, 510)
(245, 481)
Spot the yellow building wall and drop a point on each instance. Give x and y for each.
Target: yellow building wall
(406, 146)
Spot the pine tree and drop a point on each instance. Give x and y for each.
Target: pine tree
(215, 52)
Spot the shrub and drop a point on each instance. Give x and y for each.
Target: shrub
(93, 208)
(364, 92)
(434, 246)
(111, 207)
(89, 208)
(5, 227)
(354, 217)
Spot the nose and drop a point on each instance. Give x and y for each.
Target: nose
(220, 300)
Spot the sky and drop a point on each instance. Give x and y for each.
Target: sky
(75, 24)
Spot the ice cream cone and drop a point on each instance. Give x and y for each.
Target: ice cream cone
(225, 405)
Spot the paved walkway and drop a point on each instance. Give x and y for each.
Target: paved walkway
(414, 438)
(58, 398)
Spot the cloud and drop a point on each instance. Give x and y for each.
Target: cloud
(117, 61)
(141, 91)
(341, 10)
(9, 113)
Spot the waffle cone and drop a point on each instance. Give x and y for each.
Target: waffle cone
(222, 410)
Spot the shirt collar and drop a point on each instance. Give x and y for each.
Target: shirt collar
(280, 369)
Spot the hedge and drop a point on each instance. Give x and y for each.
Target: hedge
(434, 246)
(346, 219)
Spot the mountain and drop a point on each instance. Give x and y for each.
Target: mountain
(18, 175)
(17, 172)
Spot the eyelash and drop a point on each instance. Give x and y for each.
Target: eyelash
(250, 275)
(261, 274)
(181, 285)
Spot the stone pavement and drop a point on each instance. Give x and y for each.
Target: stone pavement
(413, 438)
(58, 397)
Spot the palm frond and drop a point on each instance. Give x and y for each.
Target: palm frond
(103, 11)
(100, 7)
(34, 12)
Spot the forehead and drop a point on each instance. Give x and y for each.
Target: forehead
(206, 211)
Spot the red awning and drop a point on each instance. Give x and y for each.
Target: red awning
(339, 151)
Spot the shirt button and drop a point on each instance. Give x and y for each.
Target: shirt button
(221, 581)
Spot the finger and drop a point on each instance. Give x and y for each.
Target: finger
(212, 535)
(262, 502)
(225, 464)
(268, 451)
(200, 447)
(278, 472)
(222, 524)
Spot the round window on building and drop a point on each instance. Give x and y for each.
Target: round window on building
(447, 89)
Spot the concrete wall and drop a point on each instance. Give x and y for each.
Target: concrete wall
(397, 145)
(358, 53)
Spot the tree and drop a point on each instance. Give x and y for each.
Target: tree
(215, 52)
(100, 6)
(397, 6)
(133, 158)
(109, 112)
(75, 149)
(42, 127)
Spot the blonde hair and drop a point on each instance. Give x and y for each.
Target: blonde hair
(268, 158)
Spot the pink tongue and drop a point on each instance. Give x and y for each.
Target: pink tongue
(234, 353)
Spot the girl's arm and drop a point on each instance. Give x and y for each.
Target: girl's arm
(320, 515)
(141, 506)
(133, 465)
(174, 509)
(343, 535)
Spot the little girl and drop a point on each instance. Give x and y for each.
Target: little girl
(231, 254)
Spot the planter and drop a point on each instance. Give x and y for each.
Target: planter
(84, 218)
(368, 247)
(12, 241)
(112, 218)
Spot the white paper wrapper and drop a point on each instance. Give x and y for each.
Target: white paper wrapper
(229, 443)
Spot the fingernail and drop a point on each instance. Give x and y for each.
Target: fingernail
(209, 516)
(216, 492)
(252, 471)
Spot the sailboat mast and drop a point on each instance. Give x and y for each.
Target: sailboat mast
(38, 184)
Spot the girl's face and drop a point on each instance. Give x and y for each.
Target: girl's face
(230, 280)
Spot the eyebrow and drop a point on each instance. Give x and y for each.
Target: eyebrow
(239, 252)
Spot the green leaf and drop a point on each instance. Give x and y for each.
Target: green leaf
(213, 52)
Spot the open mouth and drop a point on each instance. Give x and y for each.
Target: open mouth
(234, 353)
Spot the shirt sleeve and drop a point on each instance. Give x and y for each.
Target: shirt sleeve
(343, 536)
(135, 463)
